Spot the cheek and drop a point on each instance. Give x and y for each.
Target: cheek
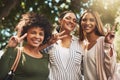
(42, 38)
(28, 38)
(82, 24)
(95, 24)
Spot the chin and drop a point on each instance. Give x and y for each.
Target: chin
(35, 46)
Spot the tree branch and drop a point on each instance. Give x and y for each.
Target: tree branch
(8, 6)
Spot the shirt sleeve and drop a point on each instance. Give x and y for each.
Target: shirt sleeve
(6, 61)
(46, 50)
(109, 61)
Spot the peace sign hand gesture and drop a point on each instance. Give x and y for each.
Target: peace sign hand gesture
(109, 38)
(53, 39)
(56, 37)
(15, 40)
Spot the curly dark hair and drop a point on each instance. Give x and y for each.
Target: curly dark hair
(37, 20)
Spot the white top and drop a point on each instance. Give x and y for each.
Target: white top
(90, 64)
(97, 62)
(65, 64)
(64, 55)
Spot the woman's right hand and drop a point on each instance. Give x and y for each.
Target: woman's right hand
(56, 37)
(15, 40)
(53, 39)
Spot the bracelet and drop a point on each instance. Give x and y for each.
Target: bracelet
(107, 46)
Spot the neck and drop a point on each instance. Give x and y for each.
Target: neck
(31, 49)
(65, 42)
(92, 37)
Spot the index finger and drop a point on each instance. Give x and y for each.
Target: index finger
(114, 27)
(61, 33)
(108, 28)
(22, 37)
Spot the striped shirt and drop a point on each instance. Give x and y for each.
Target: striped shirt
(72, 71)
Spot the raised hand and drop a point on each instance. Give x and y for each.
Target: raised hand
(15, 40)
(53, 39)
(110, 34)
(56, 37)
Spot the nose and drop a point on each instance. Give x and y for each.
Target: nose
(37, 36)
(87, 22)
(72, 21)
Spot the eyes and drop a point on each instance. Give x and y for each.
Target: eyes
(36, 33)
(70, 18)
(90, 19)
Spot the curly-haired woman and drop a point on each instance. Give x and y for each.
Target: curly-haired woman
(33, 64)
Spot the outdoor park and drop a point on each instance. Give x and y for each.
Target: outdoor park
(11, 11)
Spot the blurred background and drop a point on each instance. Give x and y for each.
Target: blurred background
(11, 11)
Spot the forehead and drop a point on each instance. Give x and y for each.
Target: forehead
(70, 15)
(88, 15)
(37, 28)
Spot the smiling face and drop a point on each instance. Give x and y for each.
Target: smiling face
(68, 22)
(35, 36)
(88, 23)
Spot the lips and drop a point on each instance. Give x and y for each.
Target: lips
(70, 25)
(86, 27)
(36, 41)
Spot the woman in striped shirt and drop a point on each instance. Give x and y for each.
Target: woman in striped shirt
(65, 55)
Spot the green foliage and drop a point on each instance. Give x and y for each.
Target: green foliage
(106, 9)
(117, 42)
(11, 14)
(11, 11)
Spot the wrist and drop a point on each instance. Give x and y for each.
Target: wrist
(107, 45)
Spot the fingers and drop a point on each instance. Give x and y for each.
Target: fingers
(22, 37)
(110, 37)
(14, 39)
(19, 33)
(61, 37)
(108, 28)
(18, 39)
(114, 27)
(111, 32)
(61, 33)
(56, 37)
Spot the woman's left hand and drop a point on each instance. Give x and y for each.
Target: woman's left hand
(109, 38)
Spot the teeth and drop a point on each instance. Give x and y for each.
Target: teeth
(36, 41)
(69, 25)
